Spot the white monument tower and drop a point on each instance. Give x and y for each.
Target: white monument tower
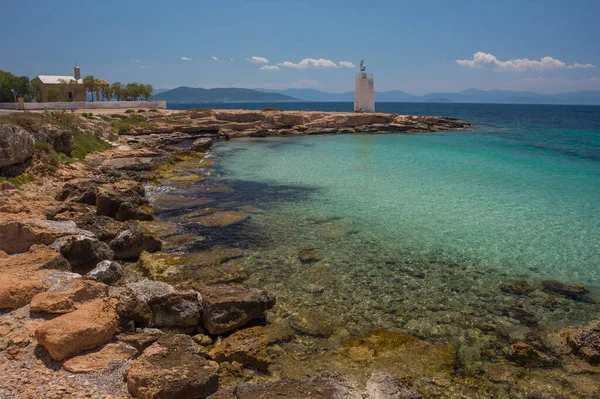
(364, 93)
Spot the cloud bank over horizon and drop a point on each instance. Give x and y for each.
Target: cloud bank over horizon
(486, 60)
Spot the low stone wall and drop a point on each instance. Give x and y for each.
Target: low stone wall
(88, 105)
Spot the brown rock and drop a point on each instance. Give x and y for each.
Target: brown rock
(247, 346)
(171, 368)
(527, 356)
(141, 340)
(110, 197)
(313, 323)
(569, 290)
(18, 234)
(90, 326)
(99, 360)
(227, 307)
(308, 255)
(133, 240)
(80, 190)
(67, 294)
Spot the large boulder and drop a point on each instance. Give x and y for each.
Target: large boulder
(61, 140)
(107, 272)
(228, 307)
(202, 144)
(158, 304)
(172, 368)
(247, 346)
(91, 325)
(17, 235)
(133, 240)
(82, 251)
(80, 190)
(16, 145)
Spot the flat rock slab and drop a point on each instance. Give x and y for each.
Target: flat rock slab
(99, 360)
(90, 326)
(216, 218)
(63, 297)
(171, 368)
(18, 234)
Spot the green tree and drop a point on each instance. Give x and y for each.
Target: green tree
(116, 90)
(90, 85)
(37, 91)
(9, 81)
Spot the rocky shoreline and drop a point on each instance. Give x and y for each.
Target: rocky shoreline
(98, 299)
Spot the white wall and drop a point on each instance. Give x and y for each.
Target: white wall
(364, 95)
(89, 105)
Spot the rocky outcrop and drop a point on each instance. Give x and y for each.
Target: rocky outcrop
(80, 190)
(227, 307)
(171, 368)
(16, 145)
(63, 297)
(60, 140)
(107, 272)
(247, 346)
(91, 325)
(120, 200)
(526, 355)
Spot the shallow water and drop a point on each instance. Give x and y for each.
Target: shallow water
(415, 233)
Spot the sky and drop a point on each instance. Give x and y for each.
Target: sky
(546, 46)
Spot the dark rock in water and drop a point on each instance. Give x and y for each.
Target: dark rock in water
(386, 386)
(202, 144)
(569, 290)
(585, 342)
(82, 251)
(314, 387)
(134, 240)
(172, 368)
(107, 272)
(227, 307)
(247, 346)
(518, 313)
(517, 287)
(527, 356)
(309, 255)
(313, 324)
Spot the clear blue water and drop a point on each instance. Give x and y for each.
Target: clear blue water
(521, 191)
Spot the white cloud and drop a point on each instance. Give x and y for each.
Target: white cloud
(186, 59)
(482, 60)
(269, 68)
(310, 63)
(215, 58)
(135, 61)
(258, 60)
(346, 64)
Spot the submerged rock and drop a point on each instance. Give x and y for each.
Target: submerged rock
(308, 255)
(171, 368)
(517, 287)
(213, 217)
(88, 327)
(386, 386)
(227, 307)
(569, 290)
(312, 323)
(526, 355)
(585, 341)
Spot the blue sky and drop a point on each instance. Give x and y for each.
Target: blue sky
(409, 45)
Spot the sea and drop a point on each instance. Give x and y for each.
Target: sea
(419, 232)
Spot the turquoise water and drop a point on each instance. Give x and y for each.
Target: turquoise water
(472, 196)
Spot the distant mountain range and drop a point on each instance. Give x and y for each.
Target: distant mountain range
(199, 95)
(185, 94)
